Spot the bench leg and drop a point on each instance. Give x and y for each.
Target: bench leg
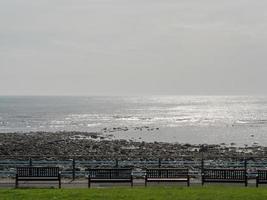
(257, 182)
(132, 181)
(59, 181)
(202, 182)
(188, 182)
(89, 183)
(145, 181)
(17, 183)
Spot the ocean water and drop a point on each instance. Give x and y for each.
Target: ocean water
(184, 119)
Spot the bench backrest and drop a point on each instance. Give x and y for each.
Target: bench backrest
(37, 171)
(225, 174)
(167, 173)
(116, 173)
(262, 174)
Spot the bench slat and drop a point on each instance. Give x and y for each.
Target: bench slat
(167, 175)
(261, 177)
(224, 175)
(110, 175)
(38, 174)
(38, 171)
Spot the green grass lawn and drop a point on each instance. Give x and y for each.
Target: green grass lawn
(150, 193)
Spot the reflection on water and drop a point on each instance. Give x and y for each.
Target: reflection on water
(177, 114)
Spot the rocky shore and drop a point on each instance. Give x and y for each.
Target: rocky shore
(90, 145)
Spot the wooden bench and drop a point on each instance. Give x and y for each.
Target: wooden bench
(38, 174)
(224, 176)
(261, 177)
(167, 175)
(112, 175)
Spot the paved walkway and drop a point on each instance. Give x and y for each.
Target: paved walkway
(82, 183)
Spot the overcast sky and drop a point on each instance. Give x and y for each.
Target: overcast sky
(124, 47)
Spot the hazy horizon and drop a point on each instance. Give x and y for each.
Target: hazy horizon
(133, 95)
(118, 47)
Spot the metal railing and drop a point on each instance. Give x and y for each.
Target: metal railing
(75, 167)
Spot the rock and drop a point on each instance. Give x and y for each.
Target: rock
(61, 145)
(94, 136)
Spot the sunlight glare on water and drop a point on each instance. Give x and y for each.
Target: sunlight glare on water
(187, 118)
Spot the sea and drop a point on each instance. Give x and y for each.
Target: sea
(229, 120)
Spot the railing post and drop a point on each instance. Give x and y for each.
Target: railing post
(159, 163)
(246, 174)
(116, 163)
(202, 165)
(30, 162)
(202, 168)
(73, 169)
